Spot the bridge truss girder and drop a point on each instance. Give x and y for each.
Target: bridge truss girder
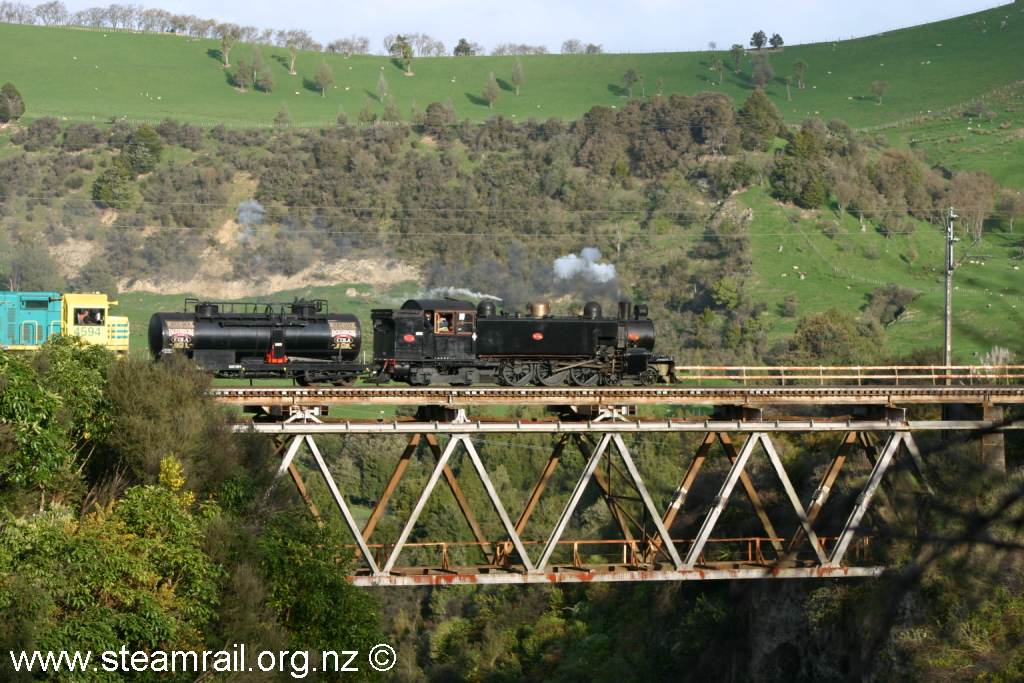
(646, 551)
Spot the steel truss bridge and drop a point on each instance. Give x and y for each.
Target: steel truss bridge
(595, 423)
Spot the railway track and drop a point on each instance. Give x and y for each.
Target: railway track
(460, 397)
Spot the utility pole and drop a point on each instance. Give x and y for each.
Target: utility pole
(950, 265)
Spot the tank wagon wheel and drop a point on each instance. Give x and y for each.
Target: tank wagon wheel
(584, 377)
(516, 374)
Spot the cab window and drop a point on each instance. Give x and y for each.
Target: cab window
(35, 304)
(464, 323)
(444, 323)
(89, 316)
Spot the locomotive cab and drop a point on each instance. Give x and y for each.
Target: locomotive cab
(427, 341)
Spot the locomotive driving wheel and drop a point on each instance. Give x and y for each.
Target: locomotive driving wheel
(515, 374)
(584, 377)
(648, 377)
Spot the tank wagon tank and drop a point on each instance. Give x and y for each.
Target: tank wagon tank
(299, 340)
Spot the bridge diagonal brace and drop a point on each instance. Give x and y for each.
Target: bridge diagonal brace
(389, 489)
(752, 495)
(574, 499)
(289, 455)
(496, 501)
(417, 510)
(720, 501)
(460, 497)
(864, 499)
(915, 455)
(824, 490)
(794, 499)
(638, 482)
(604, 485)
(340, 502)
(683, 490)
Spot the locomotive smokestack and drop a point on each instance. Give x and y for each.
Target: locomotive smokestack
(624, 310)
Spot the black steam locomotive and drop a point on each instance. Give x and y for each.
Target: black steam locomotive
(425, 342)
(300, 340)
(446, 341)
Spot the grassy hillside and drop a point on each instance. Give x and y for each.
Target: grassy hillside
(89, 75)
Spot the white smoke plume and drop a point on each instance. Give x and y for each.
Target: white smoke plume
(455, 293)
(250, 212)
(586, 264)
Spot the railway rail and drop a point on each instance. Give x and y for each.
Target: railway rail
(459, 397)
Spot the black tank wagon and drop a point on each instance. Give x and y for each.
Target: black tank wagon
(299, 340)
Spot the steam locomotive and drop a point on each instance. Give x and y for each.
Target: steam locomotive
(425, 342)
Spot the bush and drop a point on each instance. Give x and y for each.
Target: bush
(12, 106)
(114, 188)
(39, 134)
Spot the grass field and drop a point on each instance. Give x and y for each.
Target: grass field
(840, 271)
(86, 75)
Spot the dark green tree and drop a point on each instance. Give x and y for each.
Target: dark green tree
(244, 74)
(760, 121)
(114, 187)
(758, 40)
(143, 150)
(12, 106)
(463, 49)
(775, 41)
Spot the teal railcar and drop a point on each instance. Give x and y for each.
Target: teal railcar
(28, 319)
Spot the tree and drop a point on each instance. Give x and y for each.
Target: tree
(244, 74)
(265, 81)
(407, 57)
(789, 88)
(763, 72)
(228, 38)
(283, 118)
(382, 87)
(491, 90)
(878, 89)
(736, 52)
(464, 49)
(1011, 206)
(114, 188)
(718, 66)
(833, 337)
(758, 40)
(799, 71)
(324, 78)
(973, 195)
(760, 121)
(775, 41)
(517, 76)
(143, 150)
(293, 52)
(573, 46)
(629, 79)
(12, 106)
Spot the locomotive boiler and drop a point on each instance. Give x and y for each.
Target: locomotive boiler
(299, 340)
(447, 341)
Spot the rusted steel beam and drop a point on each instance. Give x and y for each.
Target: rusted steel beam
(622, 427)
(679, 498)
(304, 493)
(396, 477)
(603, 481)
(824, 490)
(460, 498)
(752, 495)
(562, 574)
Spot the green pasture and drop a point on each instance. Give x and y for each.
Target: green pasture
(90, 75)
